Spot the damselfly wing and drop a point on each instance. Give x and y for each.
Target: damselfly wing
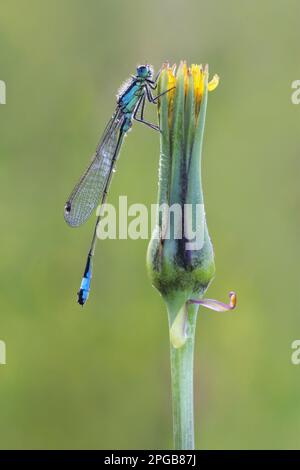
(88, 192)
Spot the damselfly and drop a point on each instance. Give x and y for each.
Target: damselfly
(92, 187)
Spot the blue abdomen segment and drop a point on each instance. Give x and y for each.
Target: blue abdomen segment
(127, 124)
(85, 285)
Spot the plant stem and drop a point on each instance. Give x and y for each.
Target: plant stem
(182, 365)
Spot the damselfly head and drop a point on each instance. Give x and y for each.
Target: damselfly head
(144, 71)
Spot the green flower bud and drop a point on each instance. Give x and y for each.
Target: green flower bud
(181, 267)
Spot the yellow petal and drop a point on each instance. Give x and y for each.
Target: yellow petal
(212, 85)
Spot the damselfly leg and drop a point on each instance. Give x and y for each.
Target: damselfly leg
(153, 99)
(141, 105)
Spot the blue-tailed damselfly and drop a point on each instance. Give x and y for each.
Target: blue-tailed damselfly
(92, 187)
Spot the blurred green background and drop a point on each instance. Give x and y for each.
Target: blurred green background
(99, 377)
